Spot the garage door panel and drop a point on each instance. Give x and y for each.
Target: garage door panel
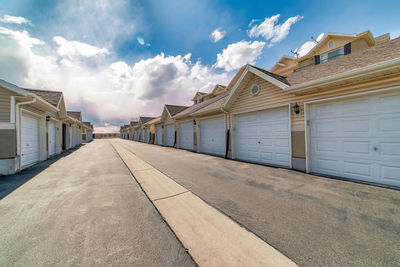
(29, 140)
(212, 136)
(170, 135)
(281, 142)
(360, 144)
(186, 138)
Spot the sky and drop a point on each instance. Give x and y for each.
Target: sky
(117, 60)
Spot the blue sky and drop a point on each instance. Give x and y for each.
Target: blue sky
(116, 60)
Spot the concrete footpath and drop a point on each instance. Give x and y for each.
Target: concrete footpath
(83, 208)
(212, 238)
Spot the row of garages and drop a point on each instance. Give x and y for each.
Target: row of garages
(34, 126)
(345, 125)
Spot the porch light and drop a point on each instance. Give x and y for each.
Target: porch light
(194, 122)
(47, 118)
(296, 108)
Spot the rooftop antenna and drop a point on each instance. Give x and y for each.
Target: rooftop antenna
(315, 40)
(295, 53)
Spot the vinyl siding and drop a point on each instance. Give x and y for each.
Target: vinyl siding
(5, 104)
(272, 96)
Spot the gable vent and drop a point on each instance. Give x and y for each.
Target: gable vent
(255, 89)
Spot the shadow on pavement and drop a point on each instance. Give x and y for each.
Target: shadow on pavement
(9, 183)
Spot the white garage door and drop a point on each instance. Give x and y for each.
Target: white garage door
(170, 135)
(186, 135)
(70, 137)
(52, 138)
(357, 138)
(142, 135)
(264, 137)
(148, 135)
(29, 140)
(212, 136)
(159, 135)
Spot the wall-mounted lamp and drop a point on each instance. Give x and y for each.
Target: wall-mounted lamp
(162, 126)
(296, 108)
(194, 122)
(47, 118)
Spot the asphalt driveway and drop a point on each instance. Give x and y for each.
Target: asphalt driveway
(315, 221)
(83, 208)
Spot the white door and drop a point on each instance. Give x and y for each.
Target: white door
(52, 138)
(148, 135)
(212, 136)
(159, 135)
(264, 137)
(70, 136)
(186, 135)
(170, 135)
(357, 138)
(29, 140)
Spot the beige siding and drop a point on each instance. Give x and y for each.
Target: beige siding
(5, 104)
(358, 45)
(169, 120)
(272, 96)
(33, 109)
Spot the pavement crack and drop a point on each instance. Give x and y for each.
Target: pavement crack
(162, 198)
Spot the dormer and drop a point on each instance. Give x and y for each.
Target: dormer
(199, 97)
(218, 89)
(285, 65)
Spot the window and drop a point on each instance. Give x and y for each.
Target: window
(332, 55)
(254, 90)
(331, 44)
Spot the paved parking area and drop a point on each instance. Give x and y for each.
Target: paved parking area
(314, 221)
(83, 208)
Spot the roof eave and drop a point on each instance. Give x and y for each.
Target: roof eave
(353, 74)
(13, 88)
(44, 102)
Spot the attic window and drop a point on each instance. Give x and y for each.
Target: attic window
(331, 44)
(255, 89)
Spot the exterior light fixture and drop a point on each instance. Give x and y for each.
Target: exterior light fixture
(194, 122)
(47, 118)
(296, 108)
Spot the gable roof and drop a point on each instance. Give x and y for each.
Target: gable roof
(52, 97)
(77, 115)
(154, 121)
(215, 105)
(143, 120)
(173, 110)
(383, 52)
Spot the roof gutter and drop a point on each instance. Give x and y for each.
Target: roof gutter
(383, 66)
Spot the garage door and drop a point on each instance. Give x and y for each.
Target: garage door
(148, 135)
(357, 138)
(142, 135)
(29, 140)
(52, 138)
(70, 137)
(186, 135)
(170, 135)
(212, 136)
(159, 135)
(264, 137)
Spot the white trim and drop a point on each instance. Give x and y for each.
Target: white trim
(13, 88)
(7, 125)
(12, 110)
(347, 75)
(259, 109)
(306, 115)
(259, 73)
(32, 113)
(290, 136)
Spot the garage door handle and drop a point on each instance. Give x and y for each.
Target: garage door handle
(375, 148)
(259, 142)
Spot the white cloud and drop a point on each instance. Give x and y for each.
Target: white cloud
(238, 54)
(307, 46)
(270, 30)
(74, 48)
(108, 93)
(217, 35)
(14, 20)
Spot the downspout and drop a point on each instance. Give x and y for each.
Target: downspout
(227, 131)
(17, 126)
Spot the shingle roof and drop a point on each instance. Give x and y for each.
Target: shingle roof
(211, 106)
(74, 114)
(155, 120)
(53, 97)
(273, 75)
(133, 123)
(197, 106)
(145, 119)
(173, 110)
(376, 54)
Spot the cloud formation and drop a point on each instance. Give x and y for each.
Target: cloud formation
(217, 35)
(238, 54)
(14, 20)
(110, 92)
(74, 48)
(270, 30)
